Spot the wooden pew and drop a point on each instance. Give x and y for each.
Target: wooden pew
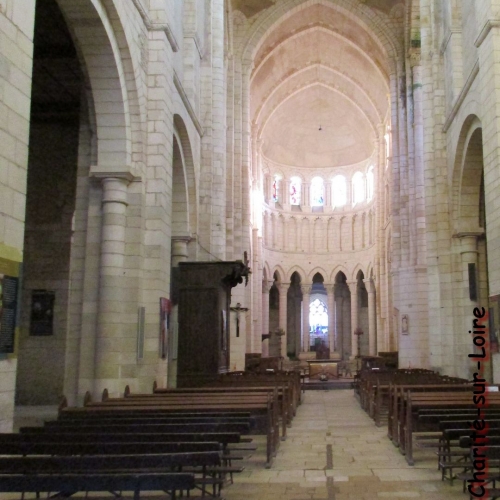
(69, 484)
(397, 411)
(415, 400)
(267, 406)
(207, 466)
(224, 388)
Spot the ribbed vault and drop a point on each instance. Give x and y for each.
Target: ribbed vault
(319, 89)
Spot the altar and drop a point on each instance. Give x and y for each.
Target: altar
(320, 368)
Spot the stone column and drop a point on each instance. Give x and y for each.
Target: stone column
(179, 254)
(266, 287)
(339, 317)
(285, 202)
(110, 356)
(283, 288)
(353, 288)
(306, 298)
(307, 195)
(331, 317)
(372, 318)
(179, 249)
(418, 136)
(469, 255)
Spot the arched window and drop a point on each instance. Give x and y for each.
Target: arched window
(318, 314)
(274, 189)
(295, 186)
(358, 188)
(339, 189)
(370, 183)
(317, 192)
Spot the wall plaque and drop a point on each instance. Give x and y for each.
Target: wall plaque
(8, 312)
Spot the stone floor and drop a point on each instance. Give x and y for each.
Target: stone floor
(362, 463)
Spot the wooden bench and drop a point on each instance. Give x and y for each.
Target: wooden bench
(206, 466)
(265, 404)
(415, 401)
(68, 484)
(397, 401)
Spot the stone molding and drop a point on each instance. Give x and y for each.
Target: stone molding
(151, 26)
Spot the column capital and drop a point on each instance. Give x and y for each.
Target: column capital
(284, 285)
(370, 285)
(468, 241)
(185, 237)
(266, 286)
(353, 285)
(126, 173)
(305, 289)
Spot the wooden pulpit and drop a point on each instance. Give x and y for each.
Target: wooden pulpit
(204, 300)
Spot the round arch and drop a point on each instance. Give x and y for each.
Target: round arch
(91, 27)
(467, 174)
(181, 132)
(369, 20)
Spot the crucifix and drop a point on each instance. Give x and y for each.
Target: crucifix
(237, 310)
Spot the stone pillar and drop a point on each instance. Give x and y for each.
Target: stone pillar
(339, 328)
(283, 288)
(110, 356)
(372, 317)
(331, 317)
(266, 287)
(418, 136)
(179, 254)
(286, 194)
(469, 255)
(179, 249)
(306, 298)
(307, 195)
(353, 288)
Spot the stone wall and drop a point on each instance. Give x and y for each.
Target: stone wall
(16, 26)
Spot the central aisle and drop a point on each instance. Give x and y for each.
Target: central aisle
(334, 451)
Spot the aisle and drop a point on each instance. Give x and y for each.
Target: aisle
(335, 452)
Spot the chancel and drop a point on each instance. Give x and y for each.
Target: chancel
(152, 152)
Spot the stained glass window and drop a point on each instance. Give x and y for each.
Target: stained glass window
(275, 190)
(295, 185)
(339, 189)
(358, 188)
(370, 180)
(318, 314)
(317, 192)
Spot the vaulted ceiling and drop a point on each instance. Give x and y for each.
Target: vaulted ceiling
(319, 89)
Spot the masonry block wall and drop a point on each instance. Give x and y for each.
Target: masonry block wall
(16, 28)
